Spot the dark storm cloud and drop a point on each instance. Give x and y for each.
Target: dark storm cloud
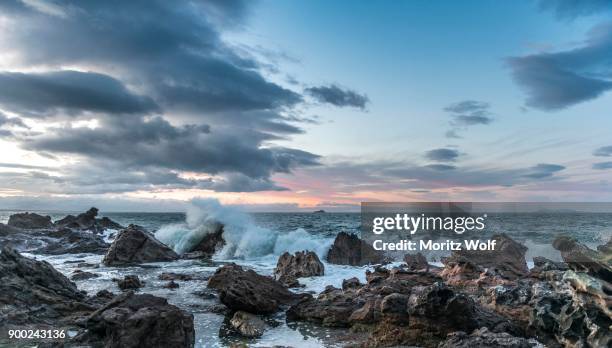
(40, 94)
(442, 155)
(556, 80)
(338, 96)
(604, 151)
(168, 94)
(570, 9)
(602, 165)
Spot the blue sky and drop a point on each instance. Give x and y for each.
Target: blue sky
(302, 104)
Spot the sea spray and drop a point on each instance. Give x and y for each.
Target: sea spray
(243, 238)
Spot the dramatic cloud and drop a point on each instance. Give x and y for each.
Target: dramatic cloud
(442, 155)
(604, 151)
(337, 96)
(68, 92)
(556, 80)
(167, 94)
(602, 165)
(570, 9)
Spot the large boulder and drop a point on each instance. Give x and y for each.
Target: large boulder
(131, 320)
(507, 260)
(34, 293)
(29, 221)
(69, 241)
(333, 307)
(580, 258)
(135, 245)
(212, 242)
(349, 249)
(244, 289)
(302, 264)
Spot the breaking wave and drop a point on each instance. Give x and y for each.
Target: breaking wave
(243, 238)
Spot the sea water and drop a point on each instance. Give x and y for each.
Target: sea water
(256, 241)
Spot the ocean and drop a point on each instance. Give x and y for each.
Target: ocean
(256, 240)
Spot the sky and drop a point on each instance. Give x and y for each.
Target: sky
(301, 105)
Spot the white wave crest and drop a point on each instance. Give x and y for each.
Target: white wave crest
(243, 238)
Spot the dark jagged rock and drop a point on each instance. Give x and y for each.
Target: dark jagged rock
(507, 260)
(582, 259)
(416, 262)
(175, 276)
(349, 249)
(302, 264)
(129, 282)
(351, 283)
(245, 290)
(332, 307)
(69, 241)
(483, 338)
(212, 242)
(6, 230)
(34, 293)
(131, 320)
(88, 221)
(29, 221)
(574, 312)
(80, 275)
(135, 245)
(171, 285)
(247, 324)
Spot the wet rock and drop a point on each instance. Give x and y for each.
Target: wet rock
(247, 324)
(171, 285)
(369, 313)
(88, 221)
(333, 307)
(606, 248)
(135, 245)
(394, 308)
(68, 241)
(175, 276)
(29, 221)
(483, 338)
(302, 264)
(507, 260)
(211, 242)
(80, 275)
(351, 283)
(33, 292)
(131, 320)
(580, 258)
(244, 289)
(349, 249)
(129, 282)
(416, 262)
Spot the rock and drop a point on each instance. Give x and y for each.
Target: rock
(349, 249)
(68, 241)
(333, 307)
(394, 308)
(88, 221)
(175, 276)
(247, 324)
(171, 285)
(29, 221)
(80, 275)
(34, 293)
(544, 264)
(6, 230)
(582, 259)
(131, 320)
(212, 242)
(245, 290)
(351, 283)
(416, 262)
(574, 312)
(135, 245)
(129, 282)
(507, 260)
(302, 264)
(483, 338)
(606, 248)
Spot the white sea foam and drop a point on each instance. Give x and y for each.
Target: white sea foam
(244, 239)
